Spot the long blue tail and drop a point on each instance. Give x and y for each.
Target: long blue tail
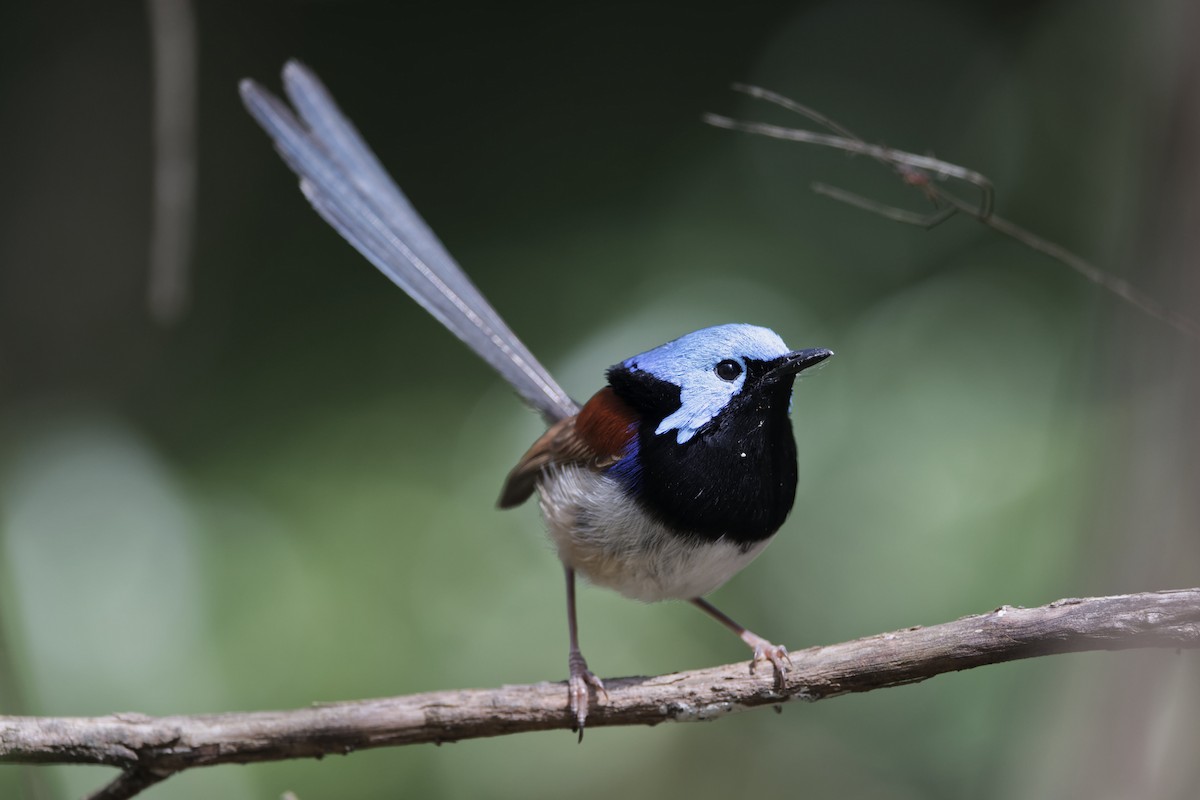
(350, 189)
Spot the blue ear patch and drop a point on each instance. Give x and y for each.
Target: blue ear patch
(690, 361)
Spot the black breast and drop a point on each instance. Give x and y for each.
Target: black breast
(734, 479)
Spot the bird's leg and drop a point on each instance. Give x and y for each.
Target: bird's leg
(581, 676)
(777, 654)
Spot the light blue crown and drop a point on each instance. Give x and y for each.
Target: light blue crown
(689, 363)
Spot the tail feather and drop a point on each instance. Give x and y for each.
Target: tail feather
(350, 189)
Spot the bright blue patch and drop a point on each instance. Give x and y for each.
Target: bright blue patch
(689, 363)
(628, 471)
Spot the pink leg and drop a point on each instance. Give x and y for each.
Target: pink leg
(581, 676)
(763, 650)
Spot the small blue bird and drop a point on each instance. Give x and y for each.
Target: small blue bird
(667, 482)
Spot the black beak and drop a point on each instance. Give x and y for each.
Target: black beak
(796, 362)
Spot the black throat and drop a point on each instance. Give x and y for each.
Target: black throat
(735, 479)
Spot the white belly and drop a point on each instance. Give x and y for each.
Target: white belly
(612, 542)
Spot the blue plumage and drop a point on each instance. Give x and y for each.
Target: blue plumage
(629, 505)
(628, 471)
(689, 362)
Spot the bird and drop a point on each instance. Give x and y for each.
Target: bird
(669, 480)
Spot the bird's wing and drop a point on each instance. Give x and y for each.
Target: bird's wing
(597, 437)
(350, 189)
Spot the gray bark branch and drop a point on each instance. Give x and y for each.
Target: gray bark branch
(149, 749)
(924, 173)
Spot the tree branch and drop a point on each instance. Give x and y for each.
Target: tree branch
(149, 749)
(923, 173)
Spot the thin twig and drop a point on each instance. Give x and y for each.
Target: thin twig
(912, 168)
(151, 748)
(923, 173)
(926, 221)
(173, 36)
(127, 784)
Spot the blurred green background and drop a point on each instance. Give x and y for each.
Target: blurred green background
(288, 495)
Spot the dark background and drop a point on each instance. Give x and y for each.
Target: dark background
(287, 495)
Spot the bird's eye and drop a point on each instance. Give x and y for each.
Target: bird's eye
(728, 369)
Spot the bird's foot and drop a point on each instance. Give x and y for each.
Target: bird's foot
(578, 687)
(777, 654)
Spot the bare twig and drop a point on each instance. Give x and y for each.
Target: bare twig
(924, 174)
(173, 34)
(149, 749)
(129, 783)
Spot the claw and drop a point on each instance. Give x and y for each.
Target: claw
(777, 654)
(577, 689)
(763, 650)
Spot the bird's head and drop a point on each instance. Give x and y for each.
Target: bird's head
(710, 374)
